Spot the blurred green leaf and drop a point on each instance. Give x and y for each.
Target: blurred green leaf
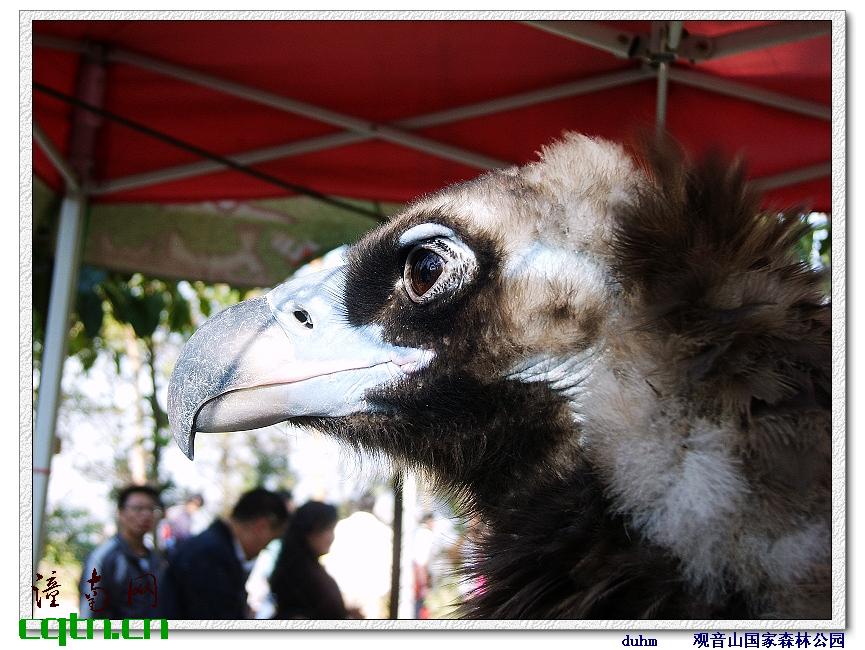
(89, 308)
(70, 535)
(204, 305)
(804, 246)
(118, 295)
(179, 314)
(145, 313)
(826, 247)
(82, 346)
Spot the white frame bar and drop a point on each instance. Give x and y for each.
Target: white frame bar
(615, 41)
(661, 97)
(522, 100)
(67, 255)
(279, 102)
(674, 34)
(56, 159)
(758, 95)
(63, 283)
(410, 516)
(202, 167)
(288, 105)
(794, 177)
(702, 48)
(665, 39)
(583, 86)
(304, 109)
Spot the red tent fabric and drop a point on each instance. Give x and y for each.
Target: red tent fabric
(386, 72)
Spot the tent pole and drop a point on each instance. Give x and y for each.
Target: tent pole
(63, 283)
(615, 41)
(289, 105)
(701, 48)
(570, 89)
(661, 98)
(722, 86)
(396, 547)
(665, 42)
(407, 602)
(82, 142)
(55, 157)
(279, 102)
(801, 175)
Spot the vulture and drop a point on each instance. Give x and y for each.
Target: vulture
(615, 360)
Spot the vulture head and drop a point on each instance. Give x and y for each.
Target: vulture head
(621, 367)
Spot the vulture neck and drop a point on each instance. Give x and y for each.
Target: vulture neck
(560, 552)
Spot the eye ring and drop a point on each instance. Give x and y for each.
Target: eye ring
(437, 267)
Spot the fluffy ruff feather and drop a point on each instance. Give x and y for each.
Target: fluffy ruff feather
(686, 472)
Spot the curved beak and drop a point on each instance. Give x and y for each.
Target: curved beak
(287, 354)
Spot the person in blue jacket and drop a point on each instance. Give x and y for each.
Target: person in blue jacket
(206, 575)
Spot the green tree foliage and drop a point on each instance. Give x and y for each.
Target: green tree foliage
(71, 534)
(267, 468)
(815, 248)
(114, 311)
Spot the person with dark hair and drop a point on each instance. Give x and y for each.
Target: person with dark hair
(206, 575)
(300, 585)
(118, 579)
(260, 598)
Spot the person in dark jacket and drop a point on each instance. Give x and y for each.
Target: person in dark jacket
(206, 576)
(119, 578)
(300, 585)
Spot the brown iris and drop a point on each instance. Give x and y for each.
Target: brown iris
(425, 267)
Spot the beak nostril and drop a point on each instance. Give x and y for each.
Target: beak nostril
(303, 318)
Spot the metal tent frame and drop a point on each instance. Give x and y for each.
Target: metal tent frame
(653, 56)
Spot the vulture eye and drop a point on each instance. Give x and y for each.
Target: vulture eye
(437, 267)
(423, 268)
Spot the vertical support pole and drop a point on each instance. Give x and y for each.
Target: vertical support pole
(661, 98)
(63, 283)
(396, 557)
(82, 144)
(674, 35)
(665, 43)
(407, 534)
(402, 600)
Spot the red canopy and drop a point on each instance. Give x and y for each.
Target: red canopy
(376, 90)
